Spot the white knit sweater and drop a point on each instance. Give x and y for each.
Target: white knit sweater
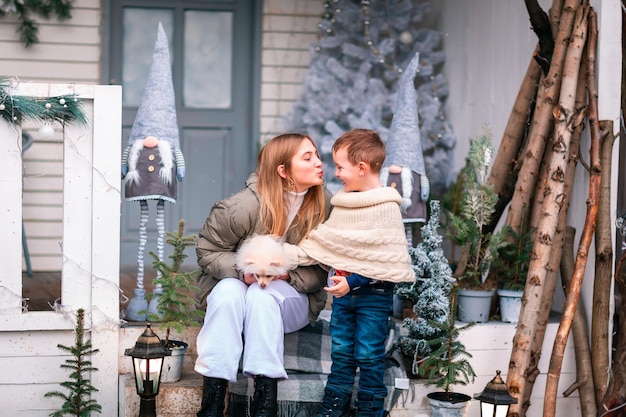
(364, 234)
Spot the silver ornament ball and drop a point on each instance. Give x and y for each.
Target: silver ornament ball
(406, 37)
(46, 131)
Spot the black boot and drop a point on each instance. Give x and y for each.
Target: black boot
(213, 393)
(334, 404)
(264, 401)
(369, 405)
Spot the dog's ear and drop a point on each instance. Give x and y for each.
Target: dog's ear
(249, 262)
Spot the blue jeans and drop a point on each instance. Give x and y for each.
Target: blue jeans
(358, 328)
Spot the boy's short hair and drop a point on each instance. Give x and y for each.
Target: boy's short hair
(363, 145)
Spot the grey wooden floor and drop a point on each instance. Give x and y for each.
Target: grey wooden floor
(44, 287)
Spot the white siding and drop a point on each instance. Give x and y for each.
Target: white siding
(289, 28)
(68, 52)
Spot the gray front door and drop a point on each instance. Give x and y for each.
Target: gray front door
(212, 48)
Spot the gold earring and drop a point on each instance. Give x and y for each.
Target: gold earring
(291, 185)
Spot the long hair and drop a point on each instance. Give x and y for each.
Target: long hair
(280, 151)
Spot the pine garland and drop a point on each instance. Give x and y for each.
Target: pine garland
(15, 109)
(28, 28)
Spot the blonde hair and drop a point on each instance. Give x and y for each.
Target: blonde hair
(363, 145)
(280, 151)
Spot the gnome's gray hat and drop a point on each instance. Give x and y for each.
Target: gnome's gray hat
(157, 112)
(404, 146)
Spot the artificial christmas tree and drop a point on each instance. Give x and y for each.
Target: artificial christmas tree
(430, 292)
(354, 76)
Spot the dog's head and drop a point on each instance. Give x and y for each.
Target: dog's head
(263, 257)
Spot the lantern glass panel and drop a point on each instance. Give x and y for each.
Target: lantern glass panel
(493, 410)
(147, 375)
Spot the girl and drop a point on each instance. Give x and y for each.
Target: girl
(285, 197)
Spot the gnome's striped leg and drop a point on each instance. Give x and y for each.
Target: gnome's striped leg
(138, 303)
(143, 238)
(160, 222)
(158, 289)
(408, 228)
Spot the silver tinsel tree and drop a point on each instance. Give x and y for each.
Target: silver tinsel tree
(353, 79)
(430, 292)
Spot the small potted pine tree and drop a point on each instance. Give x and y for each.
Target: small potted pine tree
(430, 293)
(448, 365)
(510, 268)
(466, 230)
(175, 304)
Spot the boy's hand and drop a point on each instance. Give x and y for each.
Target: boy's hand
(340, 286)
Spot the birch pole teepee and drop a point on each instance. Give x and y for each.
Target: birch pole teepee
(539, 266)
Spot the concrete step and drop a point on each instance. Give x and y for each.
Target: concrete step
(175, 399)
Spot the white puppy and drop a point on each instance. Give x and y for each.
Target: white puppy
(263, 256)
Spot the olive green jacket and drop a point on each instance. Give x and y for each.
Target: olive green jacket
(229, 223)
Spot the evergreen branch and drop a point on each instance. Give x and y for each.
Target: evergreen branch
(77, 402)
(28, 29)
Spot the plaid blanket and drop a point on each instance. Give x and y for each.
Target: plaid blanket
(307, 361)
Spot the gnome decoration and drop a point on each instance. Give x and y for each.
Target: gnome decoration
(404, 165)
(152, 162)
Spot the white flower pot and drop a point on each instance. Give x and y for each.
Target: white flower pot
(173, 365)
(439, 407)
(474, 305)
(510, 305)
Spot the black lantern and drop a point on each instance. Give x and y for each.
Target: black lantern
(495, 399)
(147, 355)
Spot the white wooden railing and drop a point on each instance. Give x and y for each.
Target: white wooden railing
(29, 357)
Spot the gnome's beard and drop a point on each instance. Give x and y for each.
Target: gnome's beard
(167, 162)
(406, 175)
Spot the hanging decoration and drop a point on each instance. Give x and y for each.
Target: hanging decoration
(15, 109)
(28, 28)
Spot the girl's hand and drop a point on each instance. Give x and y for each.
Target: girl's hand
(284, 277)
(340, 286)
(249, 279)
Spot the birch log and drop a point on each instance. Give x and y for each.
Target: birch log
(613, 402)
(572, 64)
(584, 374)
(603, 269)
(557, 246)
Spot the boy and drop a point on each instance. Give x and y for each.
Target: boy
(364, 243)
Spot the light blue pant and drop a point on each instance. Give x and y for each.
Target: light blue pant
(260, 316)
